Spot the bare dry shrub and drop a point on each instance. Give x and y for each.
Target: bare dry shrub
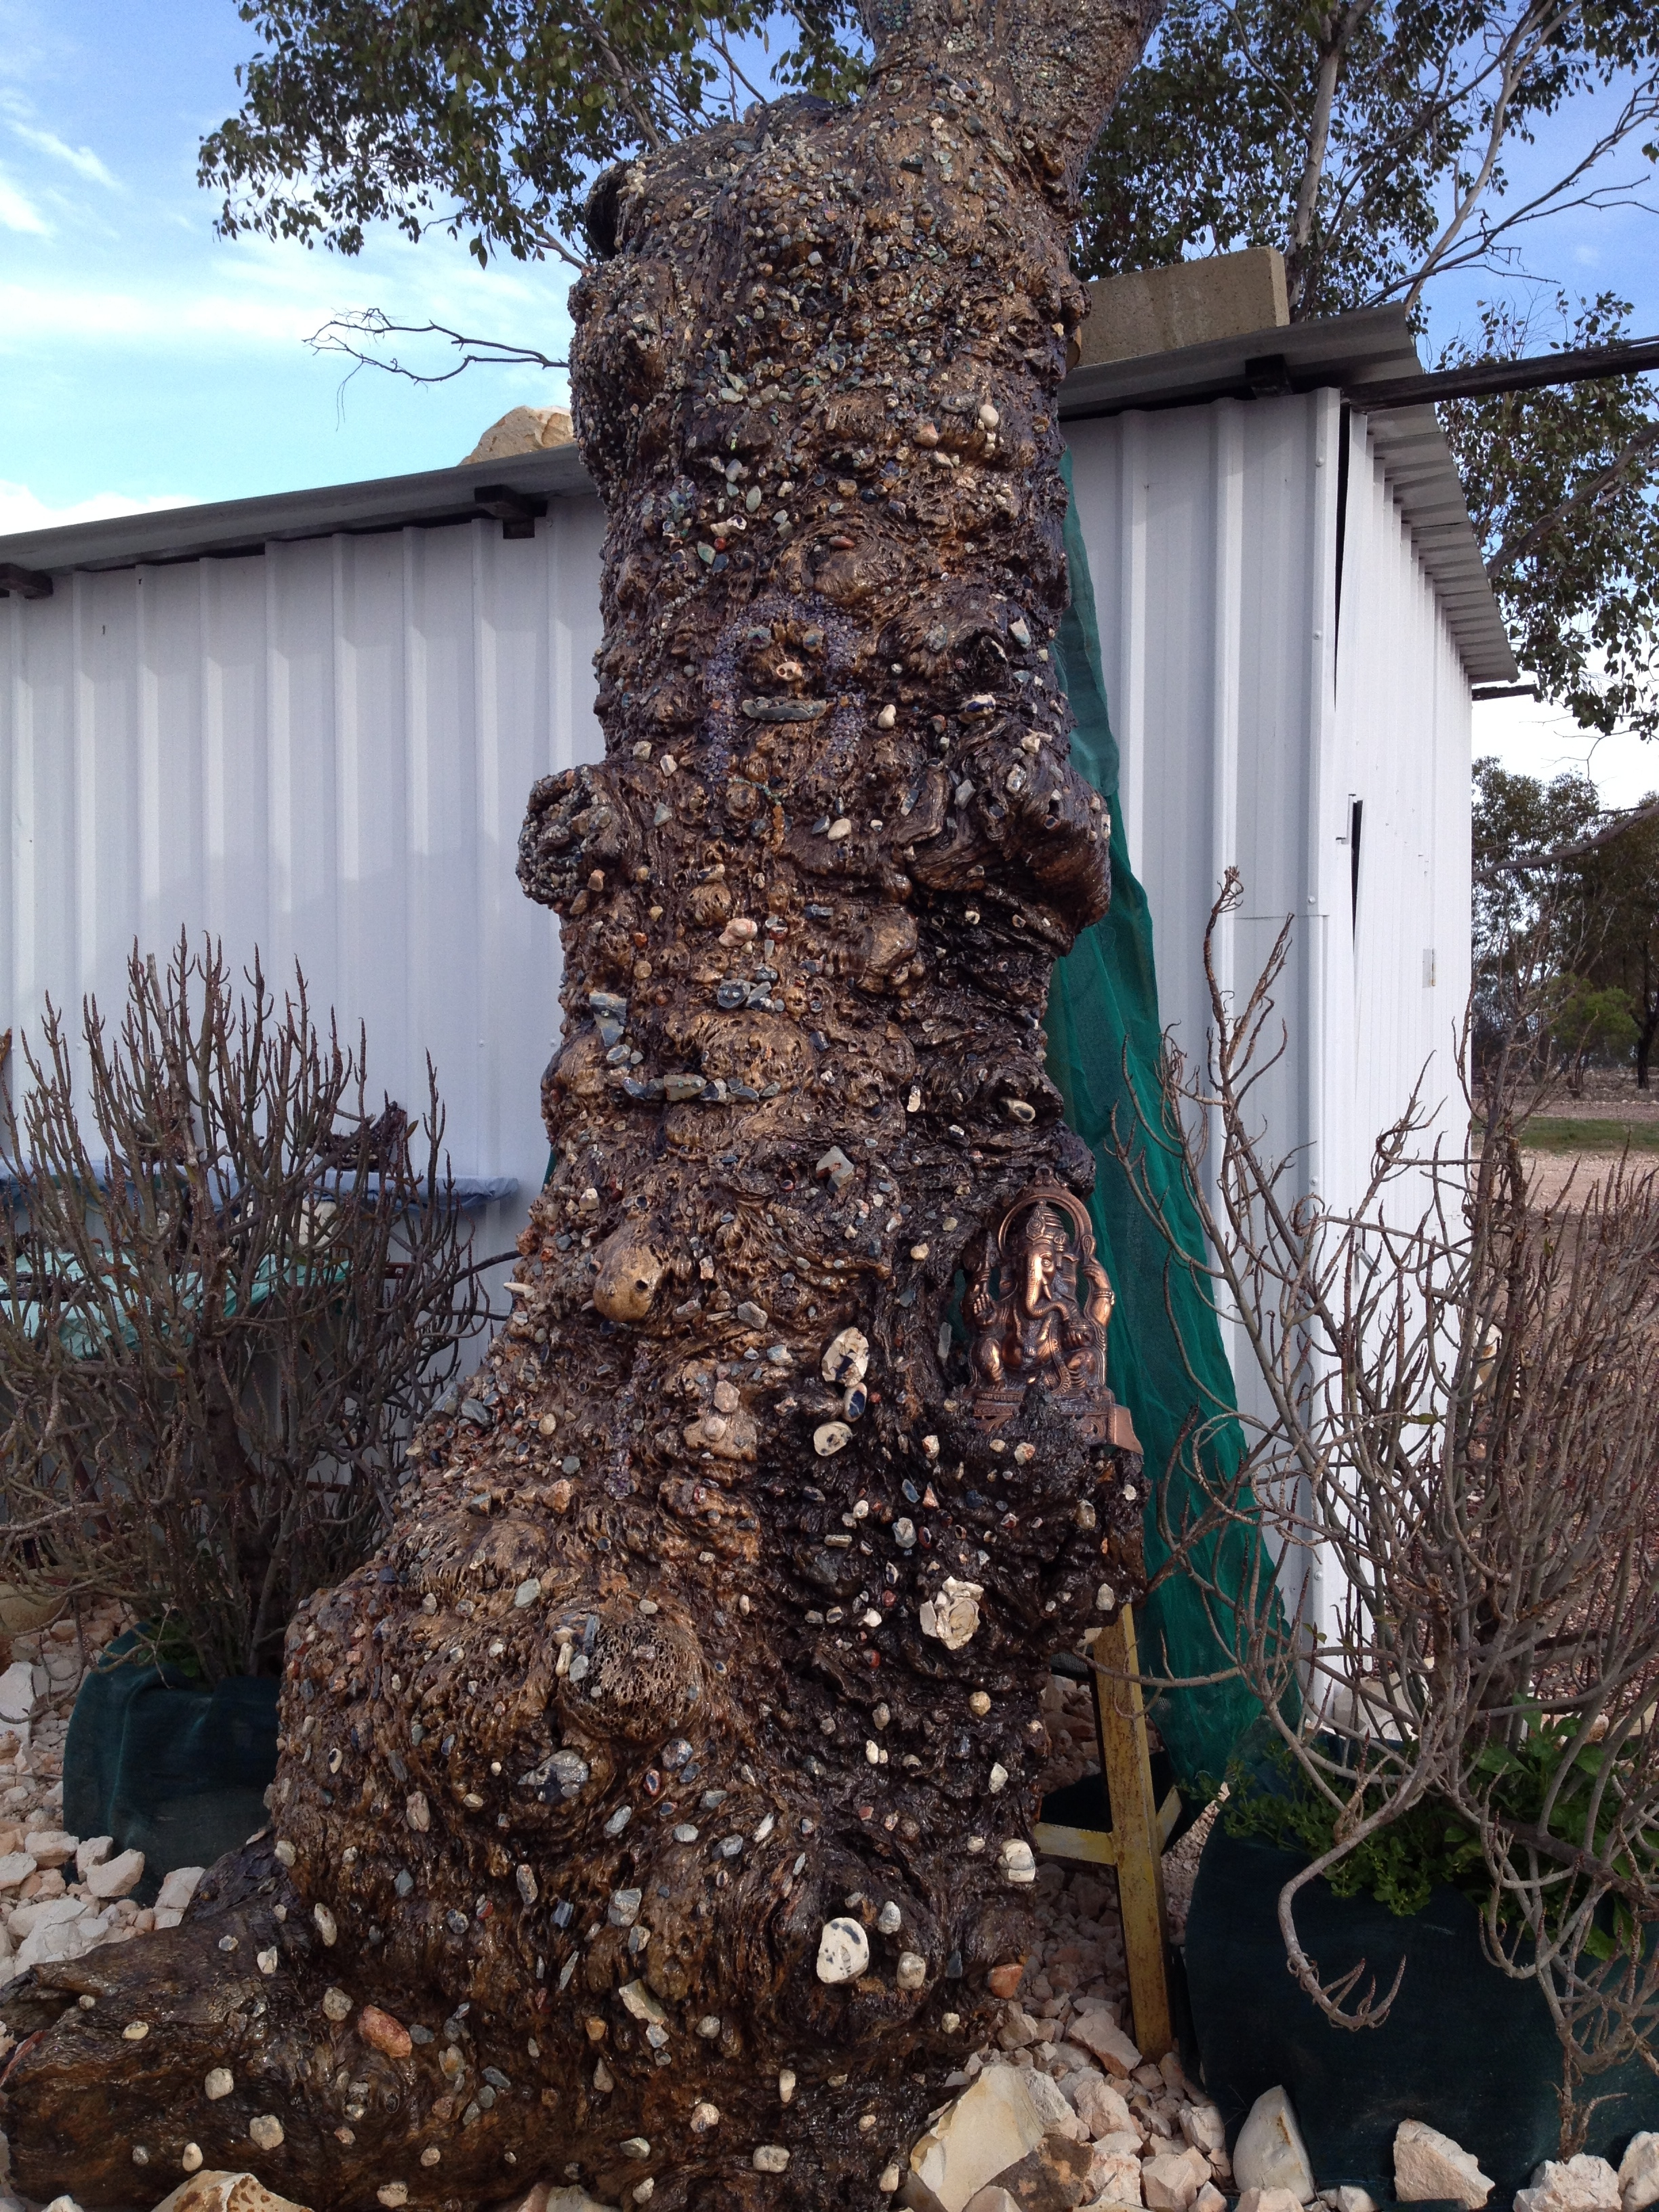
(229, 1293)
(1452, 1400)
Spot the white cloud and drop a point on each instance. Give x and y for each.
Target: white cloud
(172, 314)
(19, 213)
(22, 509)
(81, 159)
(265, 305)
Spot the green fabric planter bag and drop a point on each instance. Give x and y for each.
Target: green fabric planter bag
(1465, 2049)
(165, 1766)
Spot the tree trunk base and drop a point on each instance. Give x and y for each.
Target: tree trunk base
(86, 2100)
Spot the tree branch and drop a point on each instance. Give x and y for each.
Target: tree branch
(1520, 544)
(1340, 32)
(1516, 50)
(341, 334)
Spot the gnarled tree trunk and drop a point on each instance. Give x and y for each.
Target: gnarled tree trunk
(659, 1674)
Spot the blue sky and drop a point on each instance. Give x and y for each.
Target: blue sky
(144, 361)
(143, 358)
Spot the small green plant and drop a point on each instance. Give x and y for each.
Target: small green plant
(1539, 1783)
(1591, 1022)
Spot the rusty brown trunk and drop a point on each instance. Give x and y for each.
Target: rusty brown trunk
(650, 1681)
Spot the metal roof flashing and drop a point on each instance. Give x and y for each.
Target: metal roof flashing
(1345, 352)
(469, 492)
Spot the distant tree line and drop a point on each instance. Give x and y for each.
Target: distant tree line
(1565, 887)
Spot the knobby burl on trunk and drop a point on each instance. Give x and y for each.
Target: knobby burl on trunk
(649, 1684)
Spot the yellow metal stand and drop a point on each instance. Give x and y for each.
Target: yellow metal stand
(1139, 1828)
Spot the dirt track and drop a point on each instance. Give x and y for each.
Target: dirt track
(1550, 1174)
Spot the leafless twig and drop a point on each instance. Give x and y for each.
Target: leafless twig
(230, 1294)
(353, 333)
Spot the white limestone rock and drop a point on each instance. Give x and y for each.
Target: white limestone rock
(17, 1698)
(50, 1847)
(224, 2191)
(992, 2125)
(1638, 2174)
(1050, 2101)
(15, 1867)
(54, 1943)
(843, 1951)
(177, 1890)
(116, 1877)
(953, 1613)
(545, 2198)
(92, 1852)
(1573, 2185)
(1428, 2166)
(1202, 2126)
(1096, 2031)
(1269, 2200)
(1113, 2176)
(1348, 2198)
(1171, 2180)
(1270, 2152)
(1019, 2030)
(1096, 2104)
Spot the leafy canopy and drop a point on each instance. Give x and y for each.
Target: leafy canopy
(1518, 819)
(488, 118)
(1369, 140)
(1561, 490)
(1375, 143)
(1582, 887)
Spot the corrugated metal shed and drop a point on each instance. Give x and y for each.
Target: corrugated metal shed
(321, 748)
(309, 722)
(1344, 354)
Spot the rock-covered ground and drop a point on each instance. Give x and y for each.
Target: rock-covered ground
(1057, 2109)
(61, 1895)
(1062, 2060)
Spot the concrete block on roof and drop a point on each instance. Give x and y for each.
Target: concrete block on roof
(1144, 311)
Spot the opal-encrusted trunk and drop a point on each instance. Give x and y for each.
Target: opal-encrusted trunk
(719, 1614)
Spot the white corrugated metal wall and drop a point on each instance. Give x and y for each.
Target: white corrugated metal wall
(323, 751)
(1211, 533)
(1403, 749)
(1246, 733)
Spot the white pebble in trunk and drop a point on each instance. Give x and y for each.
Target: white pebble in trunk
(843, 1951)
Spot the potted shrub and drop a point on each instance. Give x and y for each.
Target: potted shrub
(1446, 1822)
(229, 1293)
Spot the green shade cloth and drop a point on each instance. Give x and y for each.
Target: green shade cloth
(1166, 1363)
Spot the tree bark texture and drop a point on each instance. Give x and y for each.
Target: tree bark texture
(659, 1673)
